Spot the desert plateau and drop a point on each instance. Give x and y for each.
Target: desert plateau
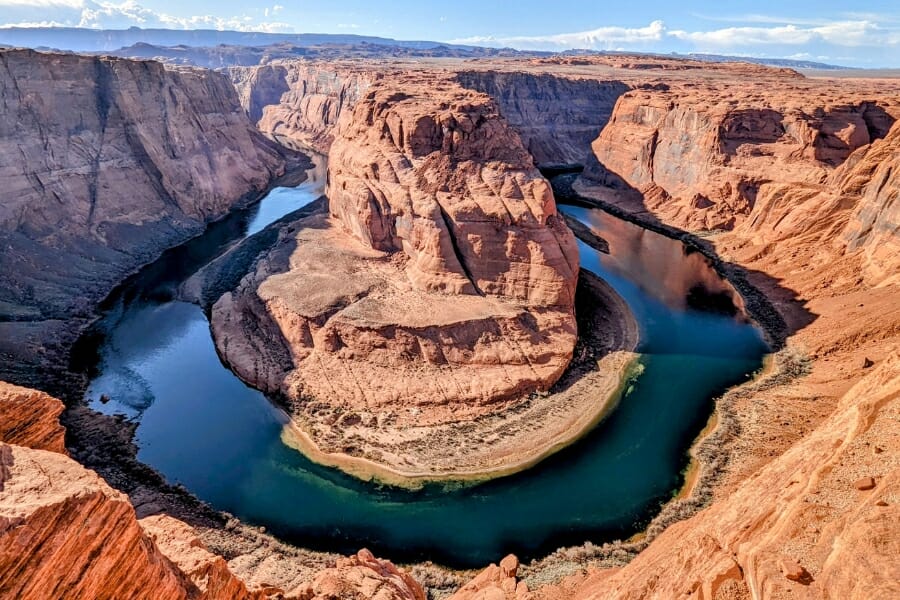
(515, 316)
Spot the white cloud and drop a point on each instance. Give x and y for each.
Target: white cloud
(837, 33)
(101, 14)
(856, 33)
(602, 38)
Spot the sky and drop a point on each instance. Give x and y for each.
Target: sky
(865, 33)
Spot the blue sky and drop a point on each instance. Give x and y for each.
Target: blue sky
(863, 33)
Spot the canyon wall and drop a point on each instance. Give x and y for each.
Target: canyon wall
(873, 176)
(556, 117)
(105, 163)
(701, 156)
(301, 101)
(806, 506)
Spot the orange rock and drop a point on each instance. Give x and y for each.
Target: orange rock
(82, 129)
(64, 532)
(791, 569)
(509, 566)
(864, 483)
(444, 277)
(361, 577)
(31, 418)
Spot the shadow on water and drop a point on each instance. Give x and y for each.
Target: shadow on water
(200, 426)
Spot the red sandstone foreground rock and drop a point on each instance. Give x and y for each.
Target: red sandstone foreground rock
(31, 418)
(64, 533)
(105, 163)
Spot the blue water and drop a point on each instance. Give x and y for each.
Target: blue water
(202, 427)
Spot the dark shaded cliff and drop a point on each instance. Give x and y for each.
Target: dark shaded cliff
(103, 164)
(301, 101)
(556, 117)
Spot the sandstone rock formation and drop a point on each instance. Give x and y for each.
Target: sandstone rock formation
(441, 285)
(702, 156)
(797, 528)
(105, 163)
(557, 117)
(64, 533)
(806, 506)
(301, 101)
(361, 577)
(496, 583)
(31, 418)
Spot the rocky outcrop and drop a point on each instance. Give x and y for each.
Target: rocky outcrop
(65, 533)
(435, 173)
(798, 528)
(106, 162)
(301, 101)
(556, 117)
(496, 582)
(31, 418)
(361, 577)
(444, 278)
(873, 176)
(702, 156)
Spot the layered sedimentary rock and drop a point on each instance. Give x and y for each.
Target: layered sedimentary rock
(30, 418)
(440, 285)
(557, 117)
(361, 577)
(65, 533)
(702, 156)
(301, 101)
(105, 163)
(806, 507)
(873, 176)
(801, 527)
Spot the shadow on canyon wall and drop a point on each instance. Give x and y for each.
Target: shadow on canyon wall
(778, 309)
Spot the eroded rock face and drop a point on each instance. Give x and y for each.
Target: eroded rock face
(65, 533)
(105, 163)
(31, 418)
(443, 278)
(701, 157)
(798, 528)
(806, 495)
(437, 174)
(556, 117)
(361, 577)
(874, 177)
(301, 101)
